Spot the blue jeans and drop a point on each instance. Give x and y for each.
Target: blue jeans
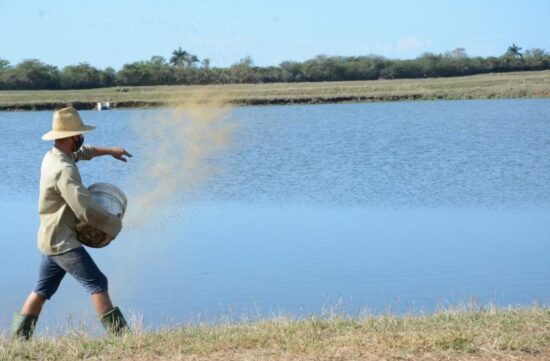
(78, 264)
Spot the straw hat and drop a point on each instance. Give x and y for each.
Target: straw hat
(66, 123)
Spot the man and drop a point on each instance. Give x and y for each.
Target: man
(63, 201)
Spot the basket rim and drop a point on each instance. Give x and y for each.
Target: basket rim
(99, 185)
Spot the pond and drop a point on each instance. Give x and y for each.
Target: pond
(376, 207)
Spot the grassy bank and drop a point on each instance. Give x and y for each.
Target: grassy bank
(504, 85)
(472, 334)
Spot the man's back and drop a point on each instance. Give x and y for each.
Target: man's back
(57, 221)
(63, 199)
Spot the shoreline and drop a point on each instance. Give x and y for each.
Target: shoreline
(137, 104)
(517, 85)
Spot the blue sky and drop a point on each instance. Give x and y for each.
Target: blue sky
(112, 33)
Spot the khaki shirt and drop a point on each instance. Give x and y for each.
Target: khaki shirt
(63, 200)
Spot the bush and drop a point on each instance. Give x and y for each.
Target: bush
(30, 74)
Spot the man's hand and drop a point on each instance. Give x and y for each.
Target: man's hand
(119, 153)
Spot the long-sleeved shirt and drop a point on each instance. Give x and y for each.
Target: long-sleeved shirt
(63, 201)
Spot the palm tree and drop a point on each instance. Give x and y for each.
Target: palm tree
(513, 51)
(181, 58)
(192, 60)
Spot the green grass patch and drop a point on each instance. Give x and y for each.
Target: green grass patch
(476, 333)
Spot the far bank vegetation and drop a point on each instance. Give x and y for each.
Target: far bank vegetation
(185, 68)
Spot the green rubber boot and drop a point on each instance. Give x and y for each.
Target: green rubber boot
(22, 326)
(114, 322)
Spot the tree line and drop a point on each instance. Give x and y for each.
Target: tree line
(186, 68)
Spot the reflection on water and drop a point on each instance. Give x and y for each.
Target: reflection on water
(393, 206)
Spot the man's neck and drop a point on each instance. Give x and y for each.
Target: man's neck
(64, 146)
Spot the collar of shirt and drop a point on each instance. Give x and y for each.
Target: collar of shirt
(58, 152)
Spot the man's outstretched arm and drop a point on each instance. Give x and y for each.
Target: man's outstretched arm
(116, 152)
(87, 152)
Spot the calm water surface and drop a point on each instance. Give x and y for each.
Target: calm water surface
(399, 207)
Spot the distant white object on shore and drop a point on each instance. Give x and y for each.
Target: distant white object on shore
(103, 106)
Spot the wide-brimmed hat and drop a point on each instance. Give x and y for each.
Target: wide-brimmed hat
(66, 123)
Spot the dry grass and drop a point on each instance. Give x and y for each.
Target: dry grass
(505, 85)
(471, 334)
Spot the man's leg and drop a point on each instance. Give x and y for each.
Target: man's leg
(82, 267)
(102, 302)
(33, 304)
(50, 276)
